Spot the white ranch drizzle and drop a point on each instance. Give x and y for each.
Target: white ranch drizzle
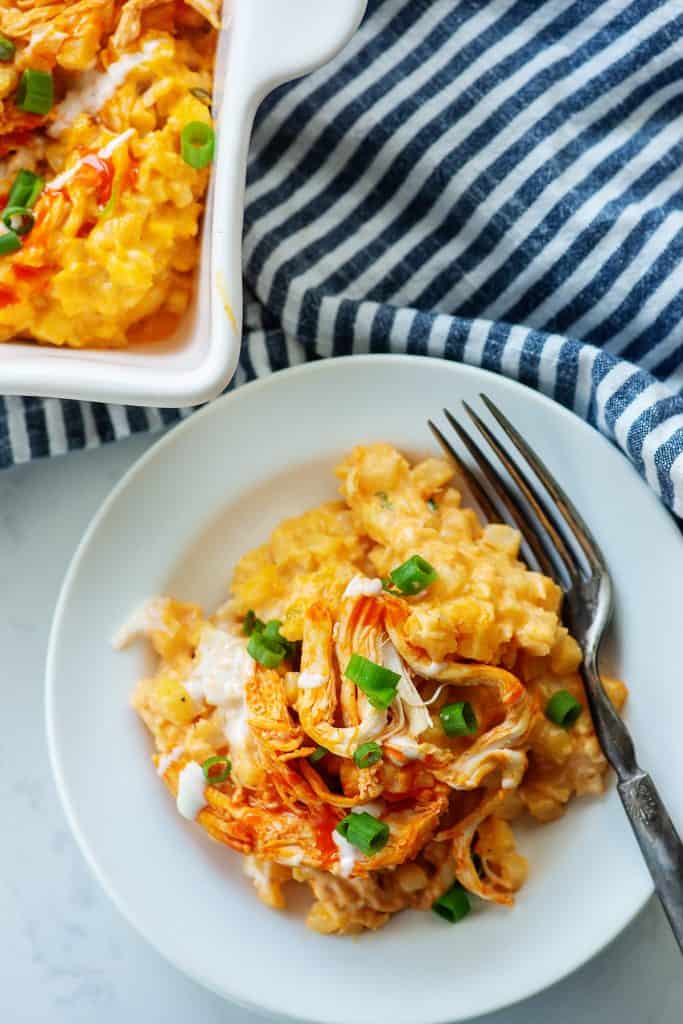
(310, 680)
(219, 674)
(63, 179)
(146, 618)
(166, 760)
(191, 784)
(95, 88)
(361, 586)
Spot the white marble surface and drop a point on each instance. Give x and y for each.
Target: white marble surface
(66, 956)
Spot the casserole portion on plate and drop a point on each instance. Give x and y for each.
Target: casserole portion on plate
(386, 690)
(106, 142)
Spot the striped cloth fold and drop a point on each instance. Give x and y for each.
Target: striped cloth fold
(497, 183)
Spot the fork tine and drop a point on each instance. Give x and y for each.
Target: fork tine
(570, 514)
(568, 559)
(475, 487)
(507, 500)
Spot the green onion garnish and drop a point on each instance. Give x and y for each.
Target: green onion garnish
(384, 499)
(414, 575)
(35, 94)
(264, 651)
(197, 143)
(377, 683)
(317, 755)
(25, 190)
(7, 49)
(364, 832)
(271, 630)
(220, 776)
(453, 905)
(432, 505)
(9, 242)
(252, 623)
(266, 644)
(367, 754)
(201, 94)
(18, 219)
(563, 709)
(458, 719)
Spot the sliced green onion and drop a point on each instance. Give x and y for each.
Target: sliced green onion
(216, 777)
(317, 755)
(201, 94)
(264, 651)
(35, 94)
(7, 49)
(453, 905)
(367, 754)
(266, 644)
(271, 631)
(458, 719)
(364, 832)
(563, 709)
(252, 624)
(414, 575)
(18, 219)
(25, 190)
(432, 505)
(377, 683)
(197, 143)
(384, 499)
(9, 242)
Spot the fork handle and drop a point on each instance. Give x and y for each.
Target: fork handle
(659, 843)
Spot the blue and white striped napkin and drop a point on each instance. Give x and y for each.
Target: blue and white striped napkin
(492, 182)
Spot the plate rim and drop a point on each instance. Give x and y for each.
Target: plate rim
(244, 392)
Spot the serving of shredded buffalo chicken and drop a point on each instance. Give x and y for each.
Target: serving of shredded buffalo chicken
(387, 689)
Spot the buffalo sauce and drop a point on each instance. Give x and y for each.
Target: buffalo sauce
(98, 171)
(7, 296)
(325, 823)
(37, 277)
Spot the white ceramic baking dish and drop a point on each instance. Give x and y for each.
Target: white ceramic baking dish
(264, 43)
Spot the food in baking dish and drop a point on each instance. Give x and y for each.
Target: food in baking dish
(386, 690)
(106, 142)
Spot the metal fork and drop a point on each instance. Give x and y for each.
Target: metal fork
(579, 567)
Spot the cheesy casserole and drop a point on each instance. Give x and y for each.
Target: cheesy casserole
(106, 141)
(386, 690)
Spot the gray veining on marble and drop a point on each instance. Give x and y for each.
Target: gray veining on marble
(66, 956)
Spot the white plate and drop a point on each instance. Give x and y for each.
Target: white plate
(266, 43)
(213, 488)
